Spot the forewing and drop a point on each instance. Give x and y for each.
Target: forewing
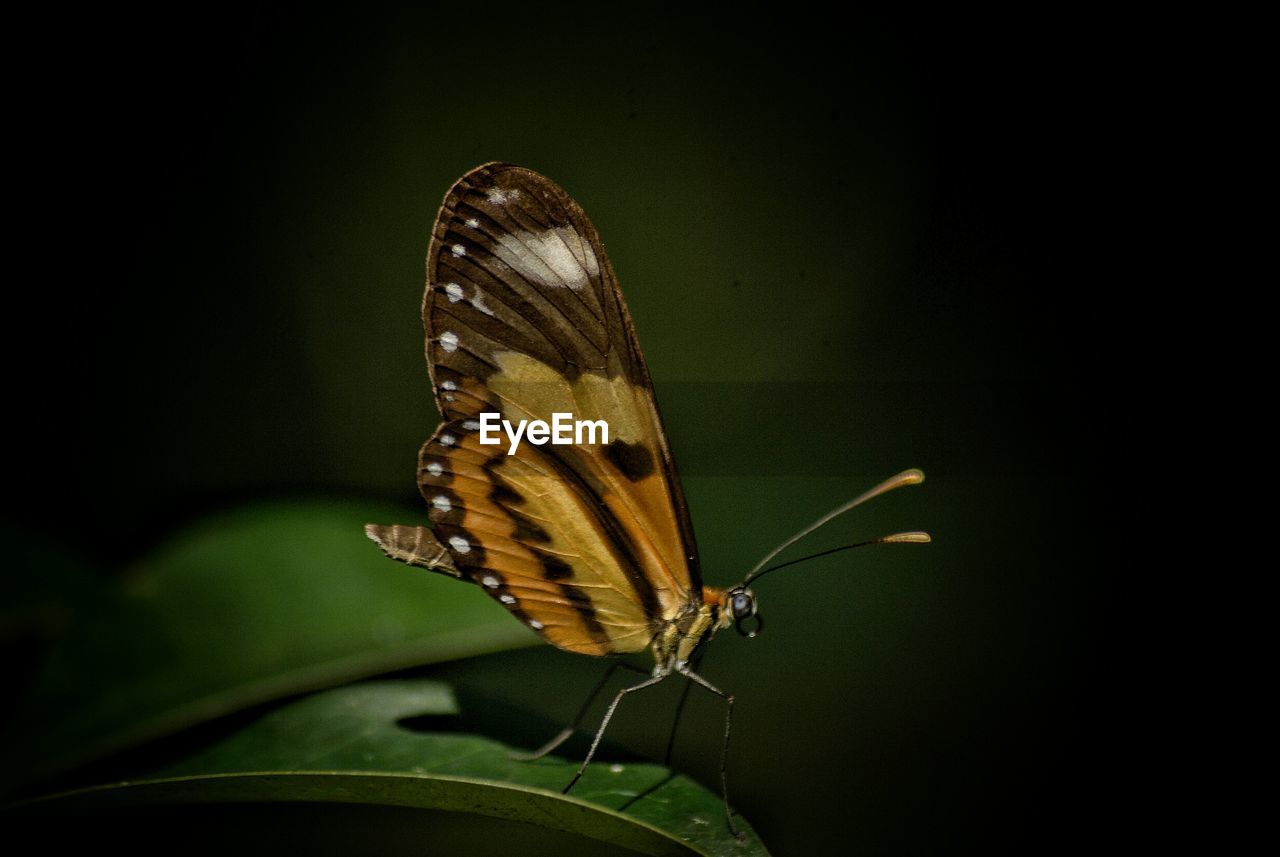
(524, 318)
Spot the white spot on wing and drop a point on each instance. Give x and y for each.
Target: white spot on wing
(454, 291)
(434, 468)
(449, 341)
(471, 425)
(536, 625)
(500, 195)
(581, 249)
(460, 544)
(447, 440)
(490, 581)
(472, 222)
(458, 250)
(441, 502)
(507, 599)
(546, 257)
(448, 385)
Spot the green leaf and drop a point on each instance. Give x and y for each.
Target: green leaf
(353, 745)
(246, 607)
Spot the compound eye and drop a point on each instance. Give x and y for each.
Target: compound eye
(742, 605)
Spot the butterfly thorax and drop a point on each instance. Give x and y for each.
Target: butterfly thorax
(675, 642)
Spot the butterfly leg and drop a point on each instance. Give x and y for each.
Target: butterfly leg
(566, 732)
(608, 715)
(675, 725)
(696, 660)
(724, 751)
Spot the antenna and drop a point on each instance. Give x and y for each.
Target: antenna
(906, 477)
(914, 538)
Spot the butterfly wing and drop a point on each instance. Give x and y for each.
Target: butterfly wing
(590, 544)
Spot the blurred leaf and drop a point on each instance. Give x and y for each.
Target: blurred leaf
(363, 744)
(246, 607)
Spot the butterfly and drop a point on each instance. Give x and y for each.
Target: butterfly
(588, 544)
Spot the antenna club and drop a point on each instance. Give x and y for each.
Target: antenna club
(914, 538)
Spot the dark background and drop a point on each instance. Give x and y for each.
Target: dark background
(849, 247)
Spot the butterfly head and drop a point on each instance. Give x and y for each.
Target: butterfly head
(740, 604)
